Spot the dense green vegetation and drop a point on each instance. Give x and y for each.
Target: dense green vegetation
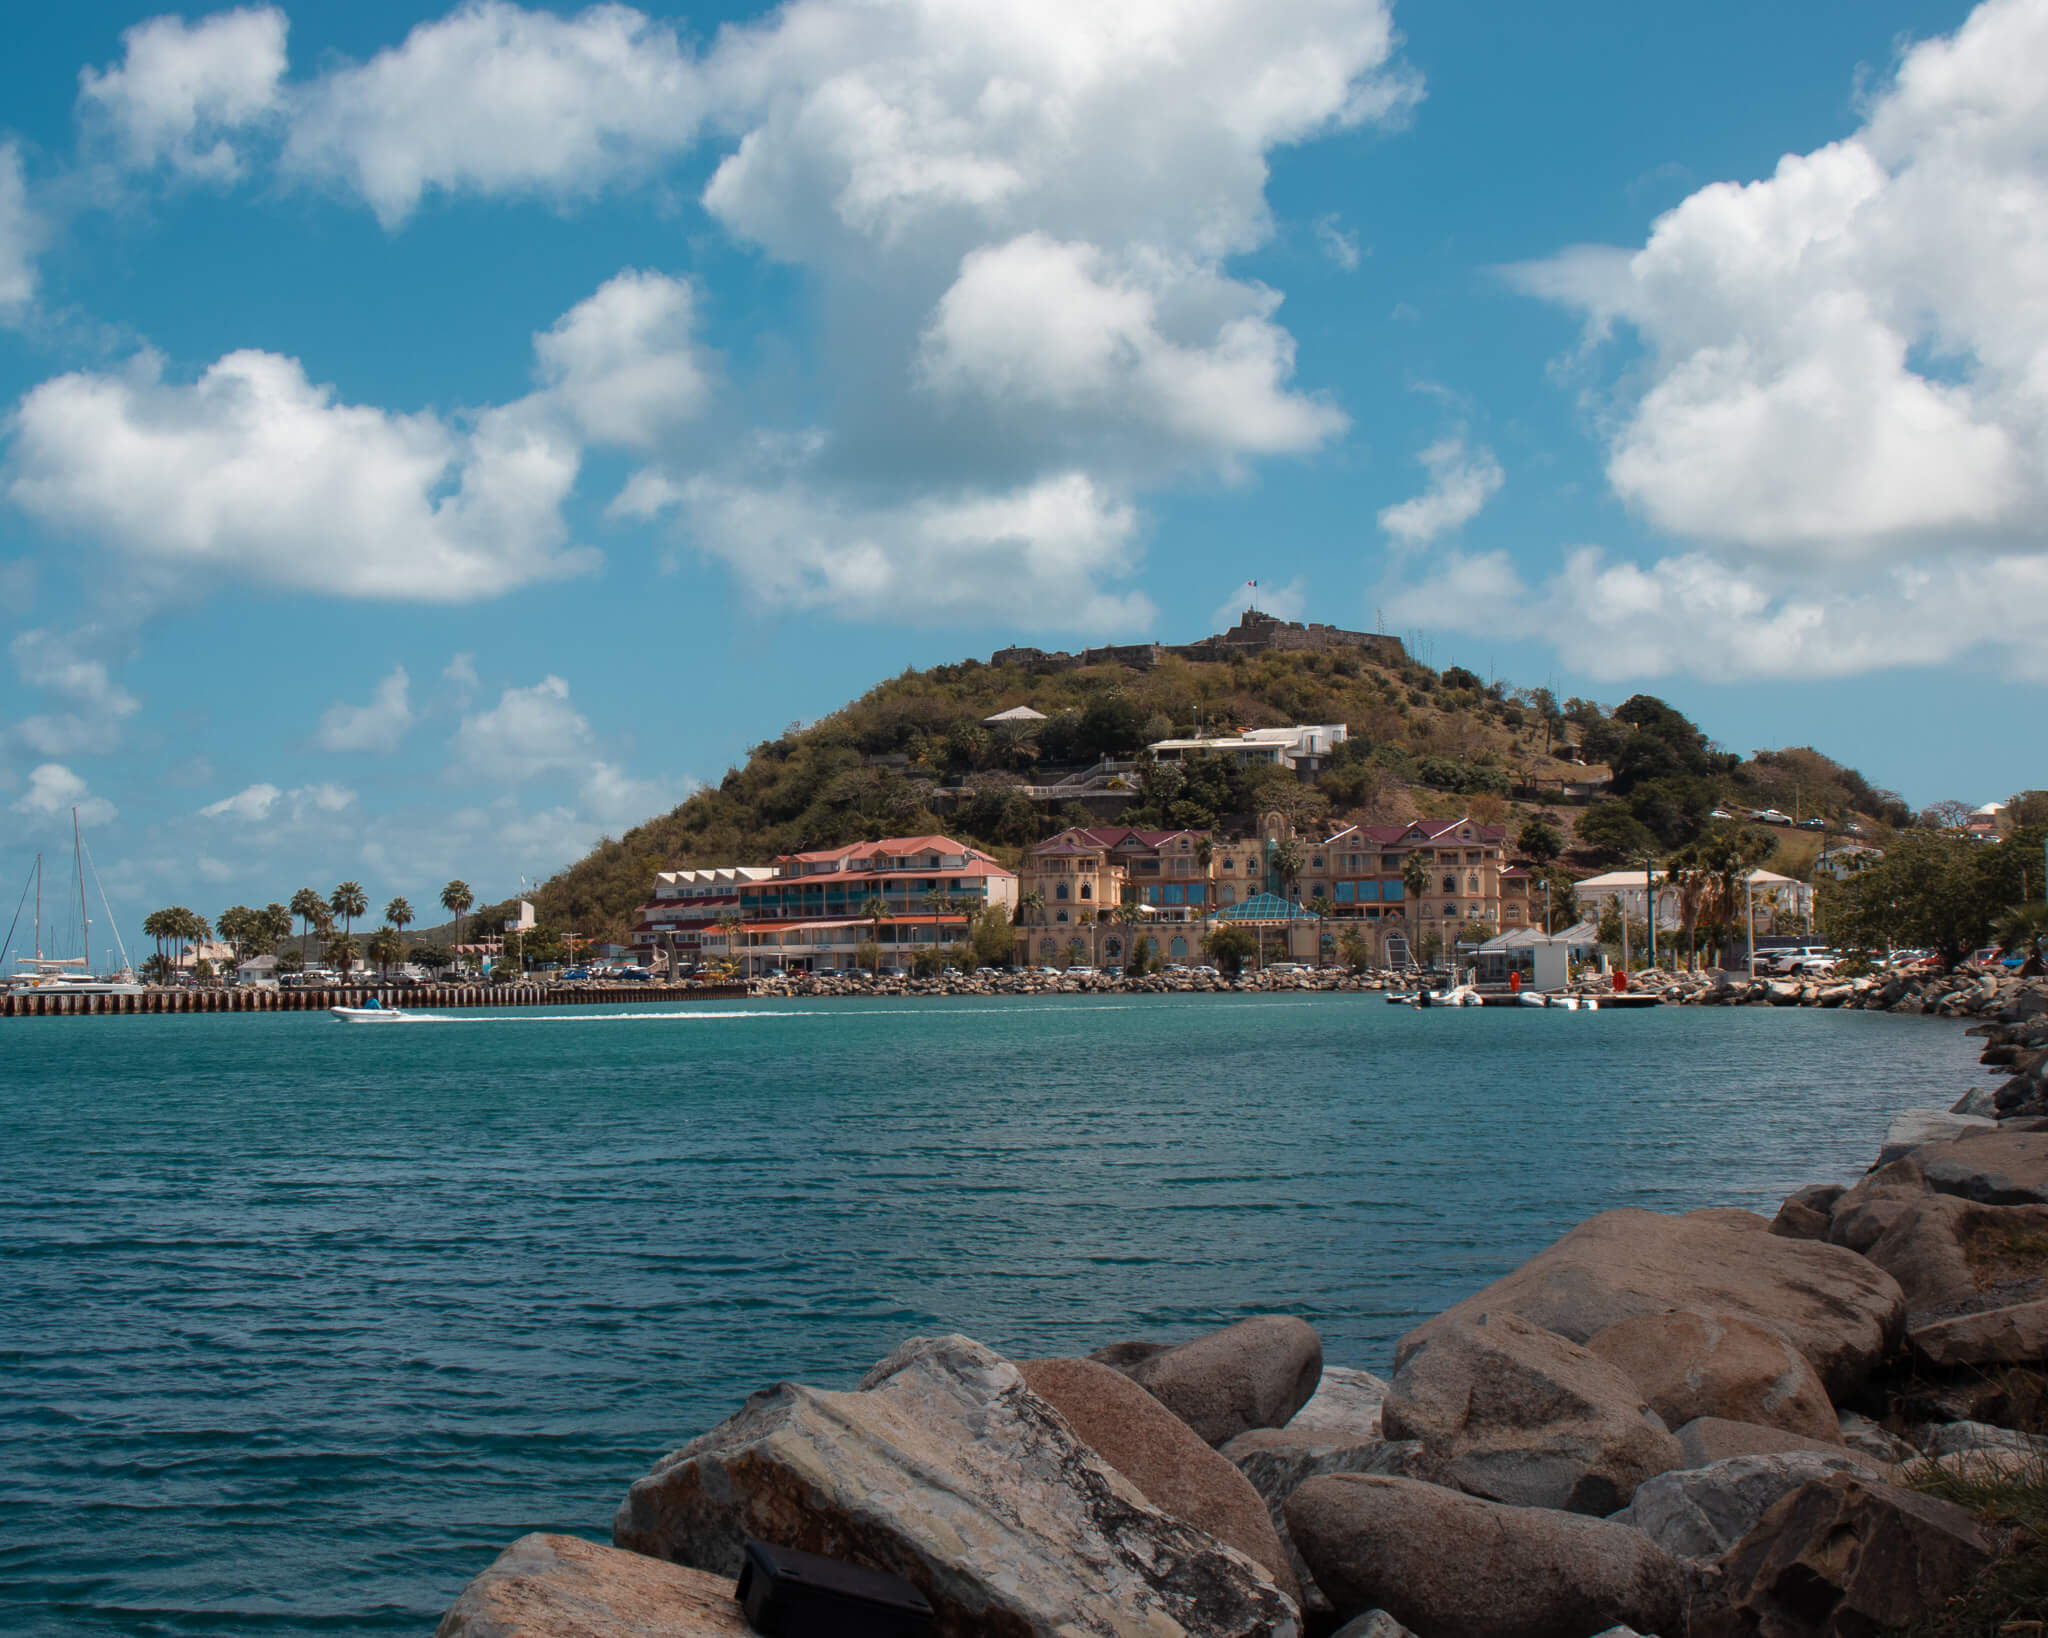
(1422, 744)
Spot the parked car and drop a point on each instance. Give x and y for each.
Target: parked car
(636, 975)
(1045, 972)
(1113, 970)
(1771, 816)
(1285, 967)
(1813, 824)
(1207, 972)
(576, 975)
(1079, 972)
(894, 972)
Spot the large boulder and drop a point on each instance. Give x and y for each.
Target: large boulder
(1279, 1461)
(1952, 1255)
(1878, 1199)
(1454, 1566)
(1994, 1168)
(1161, 1455)
(1830, 1304)
(1254, 1374)
(1701, 1512)
(944, 1468)
(1844, 1555)
(565, 1587)
(1515, 1413)
(1708, 1439)
(1690, 1364)
(2013, 1335)
(1911, 1128)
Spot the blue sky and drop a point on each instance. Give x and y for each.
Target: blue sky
(438, 437)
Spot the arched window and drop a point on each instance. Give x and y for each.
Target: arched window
(1060, 892)
(1178, 949)
(1471, 881)
(1087, 890)
(1048, 948)
(1113, 948)
(1062, 916)
(1450, 884)
(1316, 863)
(1226, 894)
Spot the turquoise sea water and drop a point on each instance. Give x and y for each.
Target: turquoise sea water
(300, 1323)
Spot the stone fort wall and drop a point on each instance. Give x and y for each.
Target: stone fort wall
(1255, 633)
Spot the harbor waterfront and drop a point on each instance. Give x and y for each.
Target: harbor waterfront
(304, 1323)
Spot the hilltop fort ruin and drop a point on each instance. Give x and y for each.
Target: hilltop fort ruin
(1254, 633)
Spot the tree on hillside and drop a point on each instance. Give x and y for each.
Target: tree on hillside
(1540, 841)
(1949, 815)
(1611, 833)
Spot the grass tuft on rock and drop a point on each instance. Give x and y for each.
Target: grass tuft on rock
(2010, 1597)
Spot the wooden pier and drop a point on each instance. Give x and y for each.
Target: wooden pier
(426, 998)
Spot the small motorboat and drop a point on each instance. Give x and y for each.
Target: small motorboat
(1532, 998)
(374, 1013)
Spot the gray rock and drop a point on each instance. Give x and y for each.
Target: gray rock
(946, 1469)
(1845, 1555)
(1449, 1564)
(1996, 1168)
(1947, 1438)
(1254, 1374)
(1952, 1255)
(1867, 1438)
(1700, 1512)
(546, 1586)
(1979, 1100)
(1913, 1128)
(1836, 1309)
(1515, 1413)
(1346, 1401)
(1373, 1624)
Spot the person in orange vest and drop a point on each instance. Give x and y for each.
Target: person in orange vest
(1514, 983)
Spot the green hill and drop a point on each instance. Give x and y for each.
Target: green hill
(913, 755)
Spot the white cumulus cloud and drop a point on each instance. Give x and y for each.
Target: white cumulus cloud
(91, 706)
(530, 731)
(377, 726)
(54, 791)
(183, 93)
(259, 802)
(496, 99)
(1461, 482)
(255, 468)
(930, 559)
(21, 236)
(624, 361)
(1841, 405)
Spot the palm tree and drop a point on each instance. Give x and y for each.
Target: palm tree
(1287, 863)
(1324, 909)
(348, 901)
(341, 950)
(309, 907)
(386, 947)
(399, 913)
(1129, 915)
(874, 909)
(456, 899)
(277, 923)
(2020, 932)
(730, 924)
(1415, 883)
(157, 925)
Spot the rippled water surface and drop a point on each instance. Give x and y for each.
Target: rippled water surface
(301, 1322)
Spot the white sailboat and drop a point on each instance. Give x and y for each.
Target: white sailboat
(69, 975)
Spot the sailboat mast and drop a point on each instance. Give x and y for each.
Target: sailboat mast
(78, 864)
(39, 907)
